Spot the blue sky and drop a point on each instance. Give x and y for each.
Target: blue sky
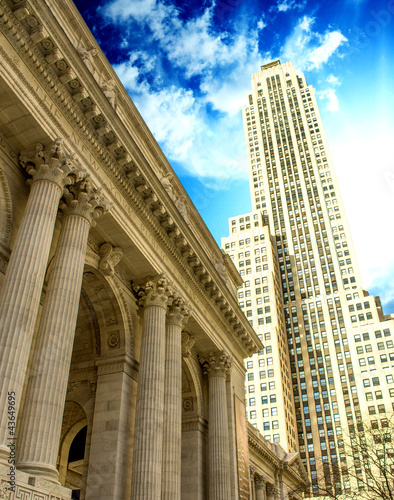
(187, 66)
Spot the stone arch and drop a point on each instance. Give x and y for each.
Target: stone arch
(107, 313)
(5, 211)
(74, 420)
(194, 375)
(115, 295)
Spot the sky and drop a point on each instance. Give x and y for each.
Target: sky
(187, 66)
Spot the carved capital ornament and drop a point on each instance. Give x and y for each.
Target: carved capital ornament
(157, 291)
(215, 364)
(84, 200)
(178, 311)
(51, 164)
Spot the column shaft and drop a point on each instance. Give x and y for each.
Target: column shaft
(22, 291)
(40, 430)
(219, 460)
(171, 480)
(148, 437)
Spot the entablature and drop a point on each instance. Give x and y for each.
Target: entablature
(87, 92)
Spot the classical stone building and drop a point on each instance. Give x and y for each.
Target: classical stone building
(121, 340)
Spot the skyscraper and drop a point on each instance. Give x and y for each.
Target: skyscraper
(302, 284)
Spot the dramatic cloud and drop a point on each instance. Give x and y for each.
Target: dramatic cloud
(329, 44)
(309, 50)
(200, 126)
(180, 124)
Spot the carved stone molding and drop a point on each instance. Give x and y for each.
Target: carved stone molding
(89, 375)
(188, 404)
(113, 340)
(215, 364)
(4, 493)
(84, 200)
(260, 482)
(47, 58)
(271, 489)
(198, 424)
(51, 163)
(155, 292)
(188, 342)
(109, 91)
(110, 257)
(178, 311)
(117, 365)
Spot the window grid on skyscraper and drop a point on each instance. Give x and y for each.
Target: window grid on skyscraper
(319, 313)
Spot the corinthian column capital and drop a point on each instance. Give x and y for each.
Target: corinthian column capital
(215, 364)
(84, 200)
(178, 311)
(156, 291)
(51, 164)
(260, 482)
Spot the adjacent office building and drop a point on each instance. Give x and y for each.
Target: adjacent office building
(328, 360)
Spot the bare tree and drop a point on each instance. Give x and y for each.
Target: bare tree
(365, 470)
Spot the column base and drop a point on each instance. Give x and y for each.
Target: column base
(19, 484)
(42, 471)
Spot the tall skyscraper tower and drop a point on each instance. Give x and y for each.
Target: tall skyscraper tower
(296, 255)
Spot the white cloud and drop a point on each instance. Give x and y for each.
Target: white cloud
(334, 80)
(121, 10)
(330, 96)
(329, 44)
(207, 146)
(178, 121)
(309, 50)
(261, 24)
(285, 5)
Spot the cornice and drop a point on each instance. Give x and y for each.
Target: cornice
(68, 82)
(256, 442)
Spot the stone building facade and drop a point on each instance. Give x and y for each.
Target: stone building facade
(121, 340)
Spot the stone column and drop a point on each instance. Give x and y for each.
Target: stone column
(260, 485)
(148, 433)
(41, 422)
(51, 170)
(172, 439)
(216, 366)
